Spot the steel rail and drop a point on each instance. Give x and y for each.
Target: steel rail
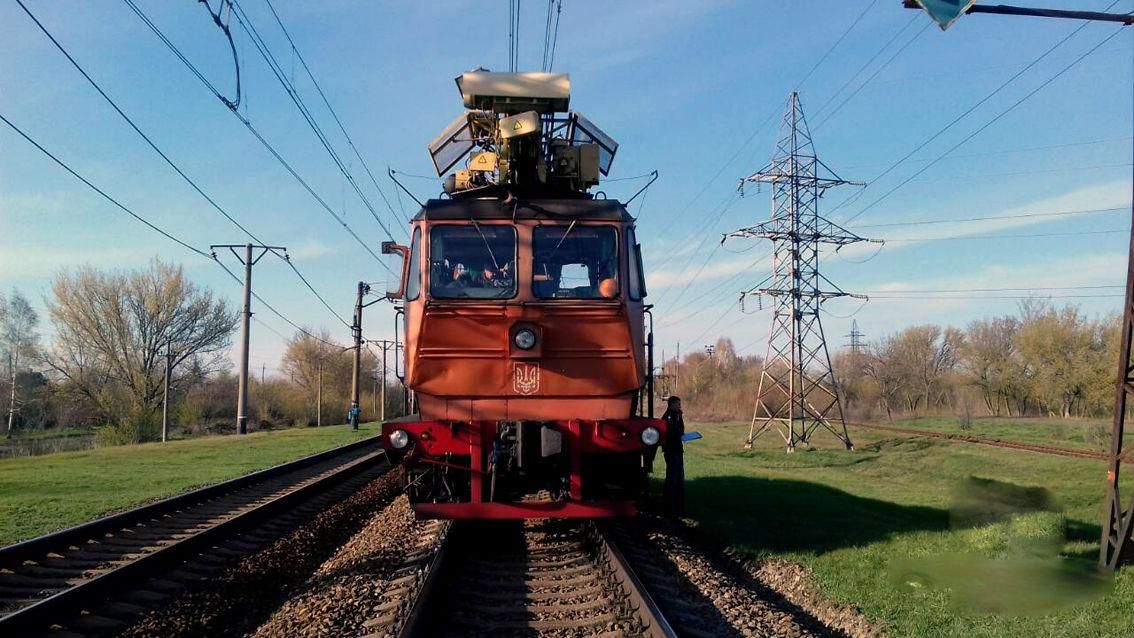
(648, 612)
(55, 608)
(41, 545)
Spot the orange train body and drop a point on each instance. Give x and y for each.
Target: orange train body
(566, 403)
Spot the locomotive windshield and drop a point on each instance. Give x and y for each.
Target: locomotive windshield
(472, 262)
(575, 262)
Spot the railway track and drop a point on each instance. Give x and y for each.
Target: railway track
(964, 438)
(98, 578)
(558, 578)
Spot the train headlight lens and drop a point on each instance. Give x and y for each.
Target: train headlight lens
(399, 439)
(651, 436)
(524, 339)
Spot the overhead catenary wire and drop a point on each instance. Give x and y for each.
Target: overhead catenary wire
(148, 223)
(149, 141)
(331, 109)
(255, 132)
(277, 70)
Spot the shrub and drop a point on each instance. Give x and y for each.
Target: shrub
(137, 427)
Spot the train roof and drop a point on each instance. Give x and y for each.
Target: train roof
(538, 209)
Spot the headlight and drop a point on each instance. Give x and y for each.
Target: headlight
(650, 435)
(524, 339)
(399, 439)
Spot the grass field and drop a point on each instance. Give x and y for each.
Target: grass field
(926, 537)
(44, 493)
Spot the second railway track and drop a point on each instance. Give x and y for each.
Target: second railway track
(97, 578)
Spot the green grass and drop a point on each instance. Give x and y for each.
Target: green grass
(1079, 434)
(45, 493)
(926, 537)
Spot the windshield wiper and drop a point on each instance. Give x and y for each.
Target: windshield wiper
(495, 264)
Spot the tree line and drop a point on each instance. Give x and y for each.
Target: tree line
(113, 335)
(1042, 360)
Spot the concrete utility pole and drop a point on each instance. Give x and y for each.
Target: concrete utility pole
(246, 317)
(356, 330)
(12, 398)
(797, 364)
(165, 391)
(319, 397)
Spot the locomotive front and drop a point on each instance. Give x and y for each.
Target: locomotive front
(524, 319)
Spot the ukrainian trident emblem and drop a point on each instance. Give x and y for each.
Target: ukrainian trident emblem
(525, 377)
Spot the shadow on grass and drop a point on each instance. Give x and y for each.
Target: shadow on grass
(784, 515)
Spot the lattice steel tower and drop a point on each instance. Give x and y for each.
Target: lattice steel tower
(797, 392)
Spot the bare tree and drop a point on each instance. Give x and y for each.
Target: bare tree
(18, 343)
(989, 356)
(307, 358)
(112, 330)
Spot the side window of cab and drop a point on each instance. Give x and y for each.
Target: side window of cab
(637, 275)
(413, 278)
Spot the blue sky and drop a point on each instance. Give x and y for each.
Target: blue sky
(681, 85)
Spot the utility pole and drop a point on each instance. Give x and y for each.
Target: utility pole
(356, 330)
(386, 346)
(319, 397)
(246, 318)
(12, 398)
(797, 365)
(263, 370)
(165, 391)
(677, 371)
(1117, 542)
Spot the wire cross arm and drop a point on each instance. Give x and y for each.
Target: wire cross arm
(275, 250)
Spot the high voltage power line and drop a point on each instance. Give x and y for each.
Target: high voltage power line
(255, 132)
(929, 140)
(166, 158)
(1005, 84)
(153, 226)
(870, 79)
(983, 127)
(1089, 211)
(759, 128)
(870, 61)
(1006, 151)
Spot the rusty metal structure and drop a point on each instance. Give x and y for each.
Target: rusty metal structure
(797, 393)
(1117, 544)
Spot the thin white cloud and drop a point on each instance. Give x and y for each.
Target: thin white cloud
(1097, 197)
(712, 272)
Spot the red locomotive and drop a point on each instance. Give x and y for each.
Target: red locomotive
(524, 318)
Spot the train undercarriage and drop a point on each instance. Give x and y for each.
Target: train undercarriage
(523, 469)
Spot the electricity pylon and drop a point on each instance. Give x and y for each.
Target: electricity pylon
(797, 392)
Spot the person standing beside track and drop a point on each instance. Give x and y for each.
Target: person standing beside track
(674, 492)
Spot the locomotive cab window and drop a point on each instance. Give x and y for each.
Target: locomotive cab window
(472, 262)
(575, 262)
